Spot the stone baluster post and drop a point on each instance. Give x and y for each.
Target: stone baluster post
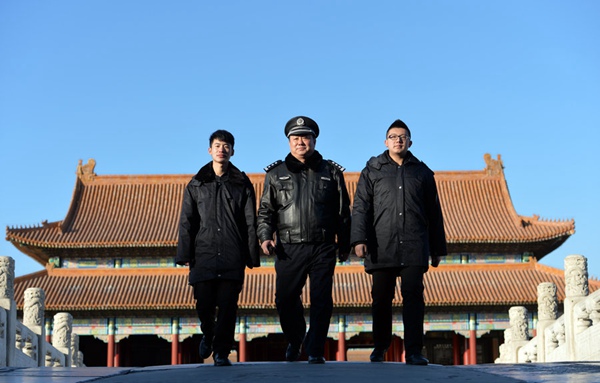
(75, 353)
(61, 338)
(547, 314)
(576, 288)
(7, 302)
(519, 323)
(519, 333)
(33, 318)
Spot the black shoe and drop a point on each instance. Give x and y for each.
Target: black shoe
(417, 360)
(316, 360)
(292, 353)
(205, 348)
(221, 360)
(378, 354)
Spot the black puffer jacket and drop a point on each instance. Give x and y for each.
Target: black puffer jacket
(305, 203)
(217, 228)
(397, 213)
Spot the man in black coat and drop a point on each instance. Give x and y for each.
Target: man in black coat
(306, 205)
(217, 239)
(397, 225)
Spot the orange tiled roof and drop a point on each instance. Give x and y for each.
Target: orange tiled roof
(167, 289)
(142, 212)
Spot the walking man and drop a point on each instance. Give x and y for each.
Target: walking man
(303, 209)
(217, 239)
(397, 225)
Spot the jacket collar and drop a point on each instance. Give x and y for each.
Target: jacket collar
(384, 159)
(313, 162)
(207, 174)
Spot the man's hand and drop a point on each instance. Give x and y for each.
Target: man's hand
(435, 260)
(361, 250)
(268, 246)
(343, 257)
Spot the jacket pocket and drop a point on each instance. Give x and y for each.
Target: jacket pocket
(285, 190)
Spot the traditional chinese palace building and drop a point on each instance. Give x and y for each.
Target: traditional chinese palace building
(110, 263)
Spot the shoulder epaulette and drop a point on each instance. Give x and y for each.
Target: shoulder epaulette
(340, 167)
(268, 168)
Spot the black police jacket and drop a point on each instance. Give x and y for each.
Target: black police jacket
(217, 227)
(305, 203)
(397, 213)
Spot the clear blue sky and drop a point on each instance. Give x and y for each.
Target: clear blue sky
(140, 85)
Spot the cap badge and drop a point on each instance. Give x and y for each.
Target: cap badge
(300, 121)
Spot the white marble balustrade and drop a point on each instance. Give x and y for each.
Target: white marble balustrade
(23, 344)
(574, 336)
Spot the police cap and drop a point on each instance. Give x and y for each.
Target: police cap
(300, 126)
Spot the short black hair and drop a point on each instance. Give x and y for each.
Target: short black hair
(398, 124)
(222, 135)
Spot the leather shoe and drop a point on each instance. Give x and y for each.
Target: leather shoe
(378, 354)
(221, 360)
(292, 353)
(316, 360)
(417, 360)
(205, 348)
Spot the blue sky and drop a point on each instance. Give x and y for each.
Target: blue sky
(140, 85)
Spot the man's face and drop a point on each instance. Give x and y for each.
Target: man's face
(302, 147)
(398, 141)
(220, 151)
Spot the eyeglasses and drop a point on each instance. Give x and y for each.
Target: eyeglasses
(402, 137)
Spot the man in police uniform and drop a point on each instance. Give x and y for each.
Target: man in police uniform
(303, 210)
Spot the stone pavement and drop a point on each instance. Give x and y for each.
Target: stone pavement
(330, 372)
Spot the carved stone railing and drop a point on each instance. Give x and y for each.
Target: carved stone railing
(23, 344)
(575, 336)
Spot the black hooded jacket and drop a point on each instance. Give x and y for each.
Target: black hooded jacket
(217, 228)
(397, 213)
(305, 203)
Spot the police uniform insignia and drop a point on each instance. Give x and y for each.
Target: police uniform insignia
(268, 168)
(338, 166)
(300, 121)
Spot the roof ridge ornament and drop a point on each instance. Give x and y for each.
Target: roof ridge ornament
(493, 167)
(86, 172)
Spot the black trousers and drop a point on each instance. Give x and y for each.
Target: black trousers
(294, 263)
(218, 325)
(413, 306)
